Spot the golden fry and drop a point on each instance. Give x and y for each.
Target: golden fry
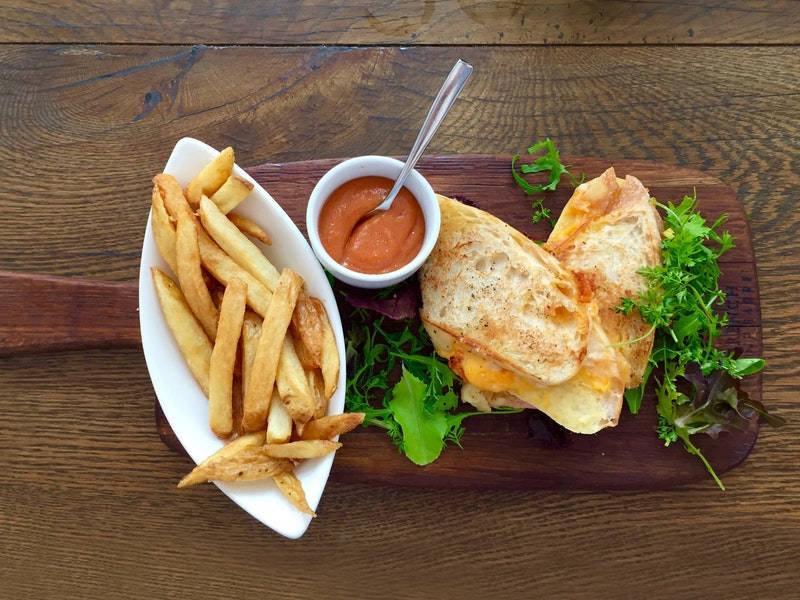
(237, 402)
(171, 194)
(248, 466)
(190, 273)
(330, 352)
(223, 358)
(251, 331)
(265, 366)
(248, 227)
(293, 385)
(279, 424)
(163, 229)
(301, 449)
(231, 193)
(307, 325)
(317, 387)
(200, 473)
(188, 333)
(327, 428)
(224, 268)
(252, 464)
(211, 178)
(292, 489)
(238, 246)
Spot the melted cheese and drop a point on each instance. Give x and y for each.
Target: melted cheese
(488, 376)
(586, 403)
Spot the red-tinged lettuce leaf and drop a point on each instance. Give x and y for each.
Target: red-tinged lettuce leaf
(401, 302)
(717, 404)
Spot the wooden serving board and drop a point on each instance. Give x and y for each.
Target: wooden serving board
(497, 452)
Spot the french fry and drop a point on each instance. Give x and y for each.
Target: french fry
(317, 387)
(211, 178)
(327, 428)
(223, 358)
(224, 268)
(249, 465)
(251, 331)
(200, 473)
(251, 228)
(171, 194)
(292, 489)
(192, 340)
(307, 325)
(279, 424)
(265, 365)
(301, 449)
(238, 246)
(190, 272)
(231, 193)
(236, 407)
(163, 229)
(330, 352)
(309, 362)
(292, 385)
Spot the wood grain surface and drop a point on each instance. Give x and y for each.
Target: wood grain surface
(431, 22)
(94, 96)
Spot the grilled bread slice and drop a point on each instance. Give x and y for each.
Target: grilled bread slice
(489, 291)
(607, 232)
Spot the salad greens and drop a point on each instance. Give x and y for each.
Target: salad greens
(696, 384)
(401, 384)
(549, 162)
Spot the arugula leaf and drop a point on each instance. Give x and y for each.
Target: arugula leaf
(682, 302)
(549, 162)
(417, 408)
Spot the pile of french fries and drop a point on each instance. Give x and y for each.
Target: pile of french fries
(262, 350)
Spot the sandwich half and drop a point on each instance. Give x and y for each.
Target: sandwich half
(516, 325)
(607, 232)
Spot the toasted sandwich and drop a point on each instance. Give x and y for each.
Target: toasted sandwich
(516, 325)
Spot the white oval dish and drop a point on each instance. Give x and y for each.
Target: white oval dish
(183, 402)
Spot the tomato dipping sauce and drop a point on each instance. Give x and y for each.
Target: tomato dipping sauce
(381, 243)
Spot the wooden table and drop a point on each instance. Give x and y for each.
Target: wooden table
(94, 95)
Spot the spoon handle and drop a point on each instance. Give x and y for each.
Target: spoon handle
(441, 106)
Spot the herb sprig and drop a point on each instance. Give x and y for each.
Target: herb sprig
(550, 163)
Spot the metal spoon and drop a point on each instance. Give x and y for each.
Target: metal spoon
(441, 106)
